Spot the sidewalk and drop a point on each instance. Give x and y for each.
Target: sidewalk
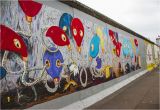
(143, 93)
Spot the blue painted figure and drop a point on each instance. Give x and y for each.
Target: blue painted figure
(65, 22)
(94, 46)
(99, 62)
(3, 72)
(127, 48)
(54, 61)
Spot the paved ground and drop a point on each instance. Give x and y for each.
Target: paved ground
(143, 93)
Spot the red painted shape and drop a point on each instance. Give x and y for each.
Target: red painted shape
(10, 41)
(77, 30)
(136, 42)
(118, 49)
(29, 7)
(113, 37)
(58, 36)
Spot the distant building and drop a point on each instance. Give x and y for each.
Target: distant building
(158, 40)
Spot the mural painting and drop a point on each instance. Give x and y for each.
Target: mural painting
(46, 53)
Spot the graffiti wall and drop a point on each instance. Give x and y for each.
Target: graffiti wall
(156, 54)
(47, 53)
(149, 56)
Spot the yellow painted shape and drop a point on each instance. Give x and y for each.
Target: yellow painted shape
(69, 83)
(100, 34)
(107, 71)
(150, 66)
(133, 45)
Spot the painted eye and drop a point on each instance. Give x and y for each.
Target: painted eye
(47, 62)
(17, 43)
(74, 32)
(92, 47)
(81, 33)
(63, 37)
(58, 63)
(65, 28)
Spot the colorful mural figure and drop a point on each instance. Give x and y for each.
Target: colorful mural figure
(100, 34)
(58, 36)
(14, 42)
(116, 43)
(113, 37)
(126, 48)
(30, 8)
(65, 24)
(54, 61)
(94, 47)
(77, 30)
(117, 68)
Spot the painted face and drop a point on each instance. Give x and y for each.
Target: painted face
(113, 37)
(53, 61)
(77, 31)
(58, 36)
(11, 41)
(94, 46)
(29, 7)
(65, 23)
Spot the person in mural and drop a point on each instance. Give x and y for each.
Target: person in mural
(117, 68)
(65, 24)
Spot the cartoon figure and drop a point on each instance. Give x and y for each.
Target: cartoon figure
(11, 41)
(77, 30)
(30, 8)
(126, 47)
(65, 23)
(118, 49)
(113, 37)
(94, 47)
(116, 43)
(54, 61)
(99, 32)
(58, 36)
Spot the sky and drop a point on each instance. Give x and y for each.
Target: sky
(141, 16)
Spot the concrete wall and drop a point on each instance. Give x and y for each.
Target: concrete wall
(61, 51)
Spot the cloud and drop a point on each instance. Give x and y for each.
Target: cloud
(142, 16)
